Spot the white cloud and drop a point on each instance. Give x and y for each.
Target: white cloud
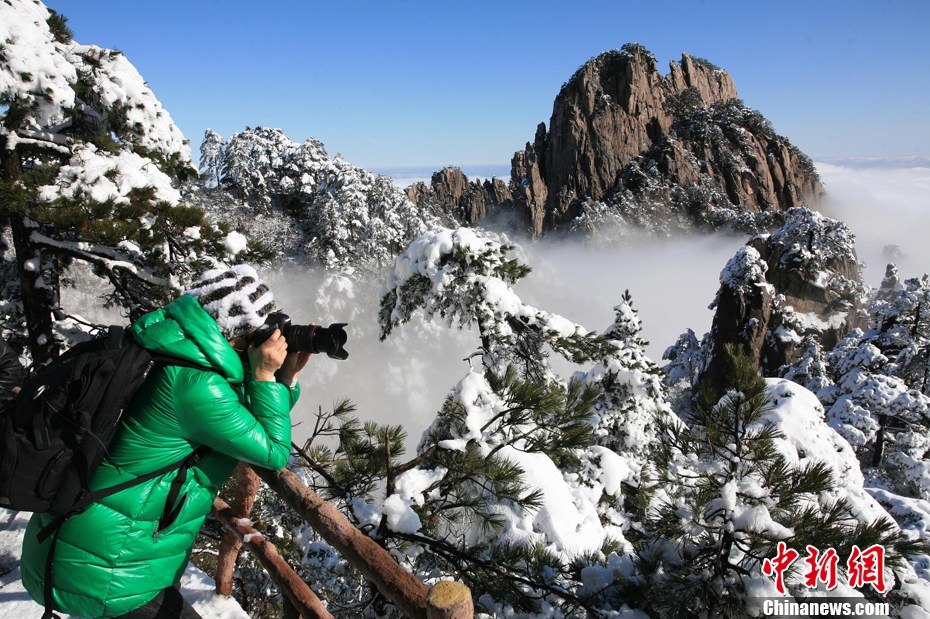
(405, 379)
(672, 281)
(884, 203)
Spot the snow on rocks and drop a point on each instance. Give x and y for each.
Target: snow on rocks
(745, 270)
(799, 415)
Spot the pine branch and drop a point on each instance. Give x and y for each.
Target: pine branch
(462, 558)
(322, 472)
(412, 464)
(107, 258)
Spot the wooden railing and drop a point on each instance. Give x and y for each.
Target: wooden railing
(298, 595)
(410, 595)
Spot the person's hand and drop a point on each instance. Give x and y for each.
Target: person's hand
(267, 358)
(293, 363)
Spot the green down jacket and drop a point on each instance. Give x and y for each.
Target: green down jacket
(111, 558)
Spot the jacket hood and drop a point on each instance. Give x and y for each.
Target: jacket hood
(184, 329)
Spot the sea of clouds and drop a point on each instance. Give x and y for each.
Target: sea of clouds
(886, 204)
(404, 379)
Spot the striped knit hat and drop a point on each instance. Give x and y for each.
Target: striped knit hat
(236, 298)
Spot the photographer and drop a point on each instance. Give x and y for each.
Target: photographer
(124, 556)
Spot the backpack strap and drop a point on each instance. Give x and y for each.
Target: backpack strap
(49, 607)
(87, 497)
(115, 336)
(172, 505)
(92, 497)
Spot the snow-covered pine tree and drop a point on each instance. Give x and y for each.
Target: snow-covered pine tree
(339, 215)
(723, 494)
(900, 327)
(885, 420)
(810, 369)
(485, 497)
(89, 158)
(359, 219)
(464, 277)
(633, 395)
(688, 359)
(255, 163)
(871, 384)
(881, 306)
(515, 492)
(211, 157)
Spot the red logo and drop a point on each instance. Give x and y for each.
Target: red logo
(864, 567)
(783, 560)
(867, 567)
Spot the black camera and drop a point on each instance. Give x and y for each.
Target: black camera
(304, 338)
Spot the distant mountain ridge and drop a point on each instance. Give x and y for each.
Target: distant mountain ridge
(626, 144)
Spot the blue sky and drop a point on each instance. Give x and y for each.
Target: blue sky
(415, 83)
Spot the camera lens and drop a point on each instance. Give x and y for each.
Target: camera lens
(299, 337)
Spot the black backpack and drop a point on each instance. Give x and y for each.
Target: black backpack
(56, 432)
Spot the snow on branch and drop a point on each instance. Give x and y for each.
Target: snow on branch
(140, 117)
(42, 74)
(464, 276)
(103, 256)
(37, 71)
(106, 176)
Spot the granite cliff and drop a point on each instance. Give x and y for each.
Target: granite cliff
(802, 280)
(451, 196)
(626, 144)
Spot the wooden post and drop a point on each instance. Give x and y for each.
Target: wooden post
(228, 553)
(448, 599)
(402, 588)
(288, 582)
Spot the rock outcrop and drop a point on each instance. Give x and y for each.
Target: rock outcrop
(451, 196)
(609, 112)
(803, 279)
(627, 145)
(618, 116)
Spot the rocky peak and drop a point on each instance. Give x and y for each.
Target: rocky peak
(452, 196)
(627, 145)
(618, 110)
(802, 280)
(608, 112)
(450, 184)
(529, 166)
(710, 81)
